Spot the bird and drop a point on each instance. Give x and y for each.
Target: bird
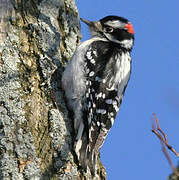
(94, 82)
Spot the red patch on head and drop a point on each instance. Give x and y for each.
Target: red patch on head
(129, 27)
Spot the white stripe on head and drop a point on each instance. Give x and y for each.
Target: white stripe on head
(115, 24)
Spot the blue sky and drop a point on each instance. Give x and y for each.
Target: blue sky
(131, 151)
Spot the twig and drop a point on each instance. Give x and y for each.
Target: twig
(23, 164)
(164, 142)
(169, 159)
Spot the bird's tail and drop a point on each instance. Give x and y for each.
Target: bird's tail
(87, 149)
(86, 156)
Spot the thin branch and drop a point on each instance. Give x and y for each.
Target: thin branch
(169, 159)
(164, 142)
(161, 135)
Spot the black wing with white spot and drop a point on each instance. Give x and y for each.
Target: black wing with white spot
(102, 97)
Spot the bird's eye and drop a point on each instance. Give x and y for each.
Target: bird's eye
(108, 29)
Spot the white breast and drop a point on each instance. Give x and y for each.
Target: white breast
(123, 68)
(123, 73)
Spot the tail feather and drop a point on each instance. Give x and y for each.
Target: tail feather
(92, 162)
(87, 150)
(86, 157)
(81, 151)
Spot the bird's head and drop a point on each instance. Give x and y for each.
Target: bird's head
(114, 28)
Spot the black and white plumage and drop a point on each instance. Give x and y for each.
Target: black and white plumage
(94, 82)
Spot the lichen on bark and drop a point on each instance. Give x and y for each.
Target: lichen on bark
(36, 131)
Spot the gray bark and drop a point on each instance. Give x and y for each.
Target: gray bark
(37, 37)
(174, 176)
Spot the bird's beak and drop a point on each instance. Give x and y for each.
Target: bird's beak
(89, 23)
(92, 24)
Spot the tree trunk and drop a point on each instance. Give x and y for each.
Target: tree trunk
(37, 37)
(174, 176)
